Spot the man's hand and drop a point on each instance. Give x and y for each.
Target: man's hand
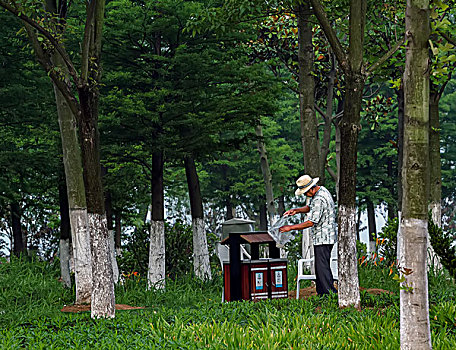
(290, 212)
(285, 228)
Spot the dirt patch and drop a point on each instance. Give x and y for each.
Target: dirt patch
(86, 307)
(376, 291)
(306, 293)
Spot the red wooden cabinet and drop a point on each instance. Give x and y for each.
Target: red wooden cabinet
(260, 279)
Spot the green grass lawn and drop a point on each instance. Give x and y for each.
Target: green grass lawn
(189, 315)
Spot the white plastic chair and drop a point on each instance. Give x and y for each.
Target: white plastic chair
(302, 276)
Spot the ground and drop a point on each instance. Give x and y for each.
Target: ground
(86, 307)
(306, 293)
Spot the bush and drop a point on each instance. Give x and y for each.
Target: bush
(179, 250)
(442, 243)
(388, 237)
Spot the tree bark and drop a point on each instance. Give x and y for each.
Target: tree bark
(328, 120)
(435, 174)
(230, 212)
(201, 264)
(65, 233)
(371, 226)
(263, 215)
(72, 162)
(414, 303)
(103, 299)
(435, 189)
(110, 225)
(266, 171)
(19, 247)
(118, 230)
(349, 130)
(391, 208)
(400, 142)
(281, 205)
(309, 128)
(157, 250)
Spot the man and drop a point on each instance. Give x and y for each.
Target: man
(322, 219)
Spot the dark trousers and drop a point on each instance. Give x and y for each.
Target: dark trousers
(324, 281)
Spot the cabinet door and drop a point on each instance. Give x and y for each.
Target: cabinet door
(259, 281)
(279, 286)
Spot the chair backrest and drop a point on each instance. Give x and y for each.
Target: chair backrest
(223, 252)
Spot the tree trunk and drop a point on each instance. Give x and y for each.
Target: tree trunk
(328, 122)
(358, 224)
(263, 215)
(118, 229)
(349, 129)
(392, 210)
(65, 233)
(435, 189)
(72, 162)
(309, 128)
(229, 208)
(230, 212)
(201, 264)
(110, 225)
(371, 226)
(281, 205)
(266, 171)
(156, 270)
(414, 303)
(103, 300)
(400, 142)
(19, 247)
(435, 174)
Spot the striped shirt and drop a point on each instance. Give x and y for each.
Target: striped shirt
(323, 215)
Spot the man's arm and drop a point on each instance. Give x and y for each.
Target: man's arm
(295, 211)
(300, 226)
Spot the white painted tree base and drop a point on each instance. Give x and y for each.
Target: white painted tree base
(112, 249)
(103, 299)
(414, 305)
(433, 260)
(201, 264)
(64, 252)
(82, 256)
(348, 285)
(157, 252)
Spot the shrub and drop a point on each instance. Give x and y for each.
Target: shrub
(388, 248)
(361, 249)
(442, 243)
(179, 250)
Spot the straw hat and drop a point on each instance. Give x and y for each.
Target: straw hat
(305, 183)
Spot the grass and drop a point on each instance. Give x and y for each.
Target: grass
(189, 315)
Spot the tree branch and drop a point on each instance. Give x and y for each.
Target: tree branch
(330, 34)
(447, 37)
(86, 40)
(387, 55)
(45, 62)
(47, 35)
(331, 172)
(319, 110)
